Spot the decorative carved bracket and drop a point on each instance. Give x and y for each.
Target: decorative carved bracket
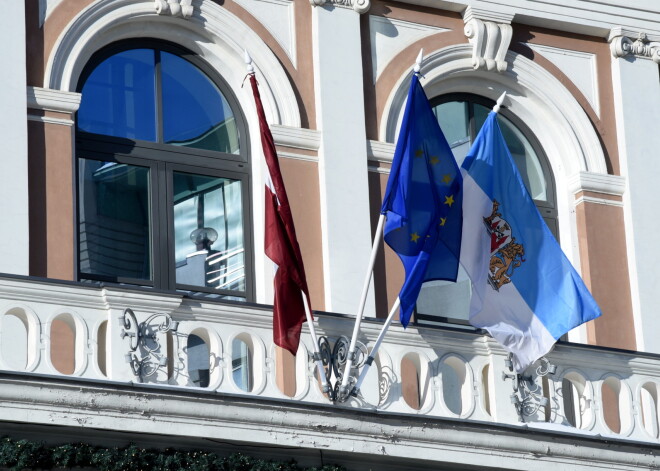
(181, 8)
(360, 6)
(490, 35)
(621, 45)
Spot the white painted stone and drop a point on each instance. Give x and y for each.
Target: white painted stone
(637, 107)
(579, 67)
(390, 36)
(593, 17)
(346, 231)
(278, 17)
(14, 225)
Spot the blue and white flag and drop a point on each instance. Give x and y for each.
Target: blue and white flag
(422, 201)
(525, 293)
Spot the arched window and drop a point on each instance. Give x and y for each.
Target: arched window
(461, 116)
(163, 175)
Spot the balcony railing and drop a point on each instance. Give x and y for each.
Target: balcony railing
(84, 332)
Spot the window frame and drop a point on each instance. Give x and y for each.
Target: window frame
(163, 160)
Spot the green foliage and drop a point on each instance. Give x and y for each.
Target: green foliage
(18, 455)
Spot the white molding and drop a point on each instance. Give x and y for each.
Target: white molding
(380, 151)
(52, 100)
(580, 67)
(182, 8)
(603, 201)
(380, 170)
(590, 17)
(489, 32)
(360, 6)
(622, 45)
(212, 32)
(49, 120)
(294, 156)
(298, 138)
(597, 183)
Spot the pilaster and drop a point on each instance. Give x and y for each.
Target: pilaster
(637, 109)
(14, 224)
(343, 170)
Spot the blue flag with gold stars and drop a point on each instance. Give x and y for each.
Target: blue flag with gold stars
(423, 201)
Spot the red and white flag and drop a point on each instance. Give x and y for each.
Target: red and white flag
(281, 246)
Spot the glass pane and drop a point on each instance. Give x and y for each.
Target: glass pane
(240, 365)
(522, 152)
(198, 361)
(118, 98)
(208, 232)
(446, 299)
(453, 119)
(114, 214)
(195, 113)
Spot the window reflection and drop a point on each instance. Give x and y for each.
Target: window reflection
(209, 122)
(114, 212)
(208, 232)
(119, 97)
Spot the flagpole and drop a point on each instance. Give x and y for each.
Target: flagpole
(374, 350)
(363, 300)
(308, 315)
(325, 387)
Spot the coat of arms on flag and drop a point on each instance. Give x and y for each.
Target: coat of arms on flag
(505, 253)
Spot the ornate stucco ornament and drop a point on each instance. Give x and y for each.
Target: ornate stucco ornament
(621, 45)
(182, 8)
(490, 34)
(360, 6)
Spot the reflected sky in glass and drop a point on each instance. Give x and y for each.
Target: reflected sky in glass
(118, 98)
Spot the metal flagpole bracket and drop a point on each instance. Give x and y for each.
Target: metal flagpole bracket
(334, 358)
(144, 355)
(528, 395)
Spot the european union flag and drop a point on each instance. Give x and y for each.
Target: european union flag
(423, 201)
(525, 291)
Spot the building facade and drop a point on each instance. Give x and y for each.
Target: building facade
(136, 298)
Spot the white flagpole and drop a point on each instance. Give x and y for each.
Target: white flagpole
(363, 298)
(308, 314)
(374, 350)
(363, 301)
(325, 387)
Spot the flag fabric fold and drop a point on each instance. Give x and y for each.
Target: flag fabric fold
(281, 245)
(525, 292)
(423, 201)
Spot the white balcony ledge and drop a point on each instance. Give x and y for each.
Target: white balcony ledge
(602, 407)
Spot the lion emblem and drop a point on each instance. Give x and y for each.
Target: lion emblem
(505, 253)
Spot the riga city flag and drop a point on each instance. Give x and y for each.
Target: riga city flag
(422, 201)
(525, 293)
(281, 246)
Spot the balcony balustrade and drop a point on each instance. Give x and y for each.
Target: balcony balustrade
(82, 331)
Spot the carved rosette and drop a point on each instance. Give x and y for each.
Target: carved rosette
(182, 8)
(621, 46)
(490, 39)
(360, 6)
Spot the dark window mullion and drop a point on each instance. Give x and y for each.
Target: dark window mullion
(159, 97)
(160, 225)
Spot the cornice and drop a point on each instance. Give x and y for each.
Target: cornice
(597, 183)
(52, 100)
(298, 138)
(380, 151)
(622, 44)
